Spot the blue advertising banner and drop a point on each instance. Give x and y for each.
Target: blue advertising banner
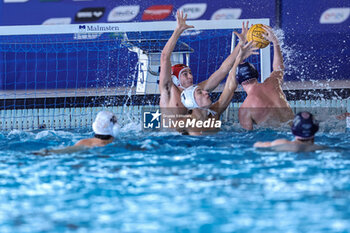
(31, 71)
(317, 33)
(315, 16)
(26, 12)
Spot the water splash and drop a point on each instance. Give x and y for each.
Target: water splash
(300, 64)
(289, 53)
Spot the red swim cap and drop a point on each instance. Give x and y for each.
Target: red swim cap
(176, 69)
(176, 72)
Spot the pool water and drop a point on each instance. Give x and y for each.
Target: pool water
(165, 182)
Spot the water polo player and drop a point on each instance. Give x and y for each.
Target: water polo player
(105, 128)
(265, 103)
(304, 129)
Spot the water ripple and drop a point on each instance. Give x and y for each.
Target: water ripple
(169, 183)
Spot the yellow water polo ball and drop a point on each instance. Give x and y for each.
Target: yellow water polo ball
(255, 34)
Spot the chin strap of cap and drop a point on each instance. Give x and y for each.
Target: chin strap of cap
(209, 111)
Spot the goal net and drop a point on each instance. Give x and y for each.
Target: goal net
(60, 76)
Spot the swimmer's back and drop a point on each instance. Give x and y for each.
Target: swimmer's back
(92, 142)
(266, 101)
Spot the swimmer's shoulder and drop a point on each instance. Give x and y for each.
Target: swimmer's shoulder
(251, 101)
(84, 142)
(90, 142)
(275, 76)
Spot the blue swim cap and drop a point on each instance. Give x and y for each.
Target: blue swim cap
(245, 72)
(304, 125)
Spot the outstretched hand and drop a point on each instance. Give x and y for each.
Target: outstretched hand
(246, 50)
(181, 21)
(243, 35)
(269, 35)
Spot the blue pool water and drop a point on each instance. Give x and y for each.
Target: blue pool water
(165, 182)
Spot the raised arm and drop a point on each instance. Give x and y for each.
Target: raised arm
(228, 92)
(215, 79)
(278, 64)
(165, 81)
(231, 82)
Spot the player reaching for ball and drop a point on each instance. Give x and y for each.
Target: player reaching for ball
(265, 103)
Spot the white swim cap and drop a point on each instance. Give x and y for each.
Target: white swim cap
(105, 123)
(187, 97)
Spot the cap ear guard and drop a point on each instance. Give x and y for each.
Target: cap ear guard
(245, 72)
(176, 71)
(176, 81)
(304, 127)
(188, 99)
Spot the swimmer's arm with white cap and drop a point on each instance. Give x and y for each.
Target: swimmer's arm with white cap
(215, 79)
(165, 80)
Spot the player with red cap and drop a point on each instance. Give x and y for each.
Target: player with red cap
(176, 72)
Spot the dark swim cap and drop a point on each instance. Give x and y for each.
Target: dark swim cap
(304, 125)
(245, 72)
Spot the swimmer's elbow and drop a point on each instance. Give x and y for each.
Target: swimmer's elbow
(165, 57)
(262, 144)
